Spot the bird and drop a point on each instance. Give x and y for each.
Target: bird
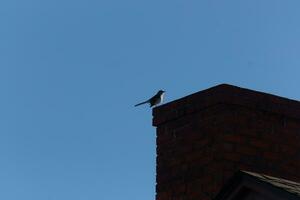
(155, 100)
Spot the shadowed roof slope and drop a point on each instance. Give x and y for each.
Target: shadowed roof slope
(246, 182)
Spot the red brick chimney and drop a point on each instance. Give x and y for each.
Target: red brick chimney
(202, 139)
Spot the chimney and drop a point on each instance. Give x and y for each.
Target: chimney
(204, 138)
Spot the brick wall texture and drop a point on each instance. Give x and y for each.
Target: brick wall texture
(202, 139)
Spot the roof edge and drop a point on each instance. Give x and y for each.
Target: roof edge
(248, 179)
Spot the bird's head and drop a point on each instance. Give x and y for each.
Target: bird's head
(161, 92)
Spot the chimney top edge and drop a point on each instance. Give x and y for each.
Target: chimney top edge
(226, 94)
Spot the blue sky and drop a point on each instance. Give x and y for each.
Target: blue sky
(71, 71)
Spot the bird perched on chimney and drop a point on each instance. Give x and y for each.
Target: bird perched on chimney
(155, 100)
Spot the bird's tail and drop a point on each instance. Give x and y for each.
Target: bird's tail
(142, 103)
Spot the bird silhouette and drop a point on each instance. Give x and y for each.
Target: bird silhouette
(155, 100)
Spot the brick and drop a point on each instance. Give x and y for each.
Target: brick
(246, 150)
(232, 156)
(259, 143)
(228, 147)
(163, 196)
(233, 138)
(271, 156)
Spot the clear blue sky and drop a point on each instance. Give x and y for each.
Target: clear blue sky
(71, 71)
